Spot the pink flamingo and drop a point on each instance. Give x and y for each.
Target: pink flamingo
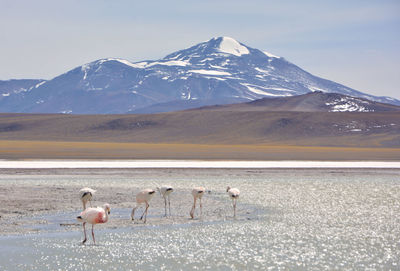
(233, 193)
(165, 192)
(86, 195)
(94, 216)
(143, 196)
(197, 193)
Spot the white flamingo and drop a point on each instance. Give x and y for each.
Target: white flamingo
(143, 196)
(197, 193)
(165, 192)
(234, 194)
(86, 195)
(94, 216)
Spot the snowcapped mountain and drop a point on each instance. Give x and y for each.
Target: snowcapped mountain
(311, 102)
(218, 71)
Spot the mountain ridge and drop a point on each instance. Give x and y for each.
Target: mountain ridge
(220, 69)
(309, 102)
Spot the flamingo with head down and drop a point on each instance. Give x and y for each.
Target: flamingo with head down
(197, 193)
(234, 194)
(143, 196)
(86, 195)
(165, 192)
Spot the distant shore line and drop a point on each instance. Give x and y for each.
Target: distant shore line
(54, 163)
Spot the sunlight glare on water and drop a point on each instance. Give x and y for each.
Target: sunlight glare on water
(316, 219)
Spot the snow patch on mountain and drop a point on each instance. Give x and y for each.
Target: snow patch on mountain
(41, 83)
(210, 72)
(231, 46)
(265, 72)
(215, 78)
(85, 69)
(168, 63)
(348, 104)
(257, 90)
(270, 55)
(138, 65)
(313, 89)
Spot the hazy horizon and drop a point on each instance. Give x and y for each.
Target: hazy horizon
(355, 44)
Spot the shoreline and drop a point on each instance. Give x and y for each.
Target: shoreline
(46, 200)
(182, 164)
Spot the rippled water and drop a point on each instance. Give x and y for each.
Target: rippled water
(306, 220)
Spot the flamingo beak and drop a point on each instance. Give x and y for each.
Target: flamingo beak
(109, 212)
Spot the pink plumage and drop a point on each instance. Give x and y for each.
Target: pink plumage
(94, 216)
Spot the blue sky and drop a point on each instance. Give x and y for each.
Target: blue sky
(355, 43)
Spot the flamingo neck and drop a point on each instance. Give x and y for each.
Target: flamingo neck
(106, 216)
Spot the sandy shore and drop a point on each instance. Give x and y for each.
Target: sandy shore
(28, 149)
(26, 207)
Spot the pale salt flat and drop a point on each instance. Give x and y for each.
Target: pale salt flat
(192, 164)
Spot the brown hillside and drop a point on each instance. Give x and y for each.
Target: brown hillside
(208, 127)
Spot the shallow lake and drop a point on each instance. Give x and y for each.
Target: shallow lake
(288, 219)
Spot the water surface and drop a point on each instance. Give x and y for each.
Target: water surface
(288, 219)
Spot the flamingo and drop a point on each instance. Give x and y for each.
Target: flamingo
(197, 193)
(233, 193)
(86, 195)
(165, 192)
(143, 196)
(94, 216)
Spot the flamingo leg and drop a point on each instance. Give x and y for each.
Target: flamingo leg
(201, 208)
(165, 205)
(234, 208)
(133, 213)
(169, 206)
(84, 232)
(94, 241)
(145, 216)
(193, 208)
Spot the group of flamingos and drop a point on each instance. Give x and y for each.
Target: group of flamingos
(100, 214)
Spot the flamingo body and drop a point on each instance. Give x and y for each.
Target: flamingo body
(86, 195)
(94, 216)
(197, 194)
(143, 196)
(234, 194)
(165, 192)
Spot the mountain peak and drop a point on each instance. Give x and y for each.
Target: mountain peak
(218, 47)
(231, 46)
(222, 46)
